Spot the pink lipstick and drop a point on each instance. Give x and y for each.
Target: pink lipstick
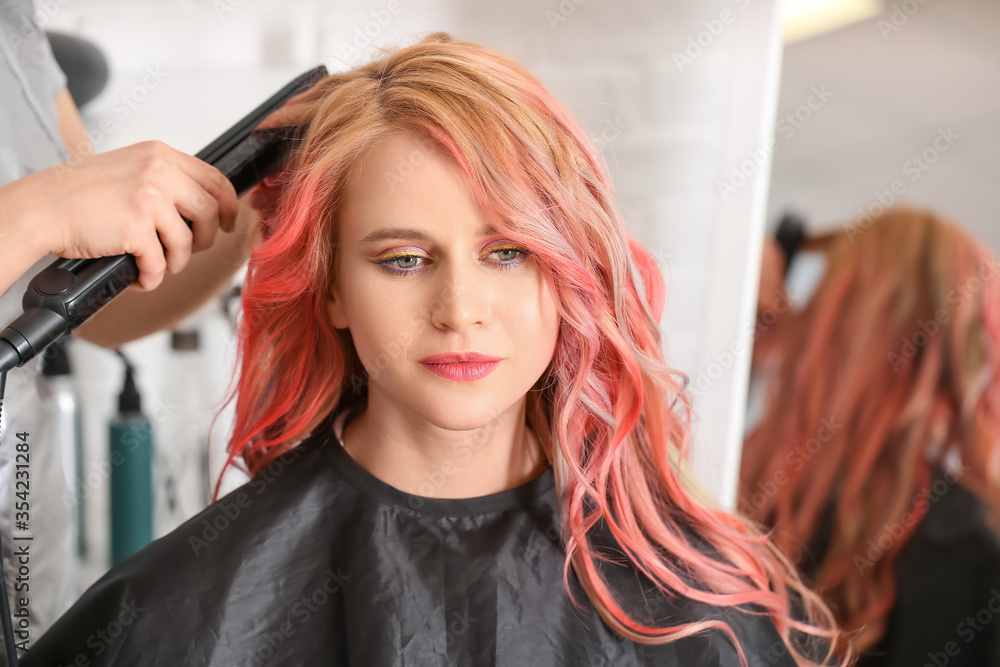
(461, 366)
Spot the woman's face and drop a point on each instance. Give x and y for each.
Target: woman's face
(452, 322)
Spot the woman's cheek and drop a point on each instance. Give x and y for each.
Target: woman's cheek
(531, 303)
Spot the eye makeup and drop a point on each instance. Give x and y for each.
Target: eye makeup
(400, 263)
(503, 252)
(507, 256)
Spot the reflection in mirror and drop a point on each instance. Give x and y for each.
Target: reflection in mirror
(873, 425)
(875, 454)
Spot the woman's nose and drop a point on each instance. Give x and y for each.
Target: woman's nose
(462, 298)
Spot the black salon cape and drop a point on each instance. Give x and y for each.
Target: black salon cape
(317, 562)
(947, 611)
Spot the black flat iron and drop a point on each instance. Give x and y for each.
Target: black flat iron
(69, 291)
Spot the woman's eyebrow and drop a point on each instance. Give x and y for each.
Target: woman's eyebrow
(404, 233)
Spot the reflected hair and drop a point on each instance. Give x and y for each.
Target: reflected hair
(613, 419)
(886, 384)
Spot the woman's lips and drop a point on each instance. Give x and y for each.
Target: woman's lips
(464, 372)
(461, 366)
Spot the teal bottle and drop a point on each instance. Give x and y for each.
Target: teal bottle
(131, 459)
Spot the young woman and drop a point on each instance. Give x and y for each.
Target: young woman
(878, 457)
(465, 444)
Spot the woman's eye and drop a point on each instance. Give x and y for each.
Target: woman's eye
(402, 263)
(507, 254)
(504, 258)
(407, 262)
(509, 257)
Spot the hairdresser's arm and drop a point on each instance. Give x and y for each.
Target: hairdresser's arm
(128, 200)
(135, 313)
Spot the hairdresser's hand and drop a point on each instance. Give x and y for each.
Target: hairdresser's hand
(128, 200)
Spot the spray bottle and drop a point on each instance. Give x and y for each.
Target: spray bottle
(131, 438)
(69, 433)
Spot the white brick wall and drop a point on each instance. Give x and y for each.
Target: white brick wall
(673, 132)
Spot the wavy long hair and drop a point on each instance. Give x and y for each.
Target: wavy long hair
(888, 382)
(612, 418)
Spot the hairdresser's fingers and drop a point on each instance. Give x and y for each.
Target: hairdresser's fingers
(149, 258)
(164, 171)
(176, 238)
(215, 184)
(162, 192)
(197, 205)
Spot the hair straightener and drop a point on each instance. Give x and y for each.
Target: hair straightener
(69, 291)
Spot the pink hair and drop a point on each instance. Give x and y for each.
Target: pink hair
(899, 351)
(611, 416)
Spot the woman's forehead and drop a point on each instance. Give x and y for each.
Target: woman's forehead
(406, 186)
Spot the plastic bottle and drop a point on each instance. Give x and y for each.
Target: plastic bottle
(69, 433)
(131, 438)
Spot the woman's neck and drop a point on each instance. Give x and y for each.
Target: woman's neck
(417, 457)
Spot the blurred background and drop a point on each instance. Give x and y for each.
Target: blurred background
(908, 73)
(716, 118)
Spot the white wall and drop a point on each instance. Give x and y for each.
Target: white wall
(674, 119)
(890, 87)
